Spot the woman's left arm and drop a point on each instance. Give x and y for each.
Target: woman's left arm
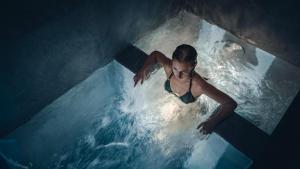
(225, 109)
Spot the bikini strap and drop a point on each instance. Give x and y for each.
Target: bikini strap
(170, 75)
(191, 81)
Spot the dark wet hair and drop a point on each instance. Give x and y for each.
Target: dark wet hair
(185, 53)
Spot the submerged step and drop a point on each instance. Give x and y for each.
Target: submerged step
(132, 58)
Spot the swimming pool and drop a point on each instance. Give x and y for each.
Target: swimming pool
(263, 85)
(103, 122)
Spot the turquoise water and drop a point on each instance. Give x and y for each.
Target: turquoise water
(263, 85)
(103, 122)
(128, 138)
(97, 124)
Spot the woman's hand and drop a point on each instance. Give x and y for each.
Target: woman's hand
(207, 127)
(141, 75)
(154, 58)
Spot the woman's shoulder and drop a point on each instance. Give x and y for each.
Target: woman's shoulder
(199, 83)
(162, 58)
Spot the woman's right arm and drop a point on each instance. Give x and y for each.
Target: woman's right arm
(152, 59)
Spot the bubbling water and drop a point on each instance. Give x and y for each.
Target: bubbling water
(259, 82)
(147, 127)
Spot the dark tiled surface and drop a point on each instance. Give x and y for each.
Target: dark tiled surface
(3, 164)
(243, 135)
(51, 46)
(282, 150)
(131, 57)
(270, 25)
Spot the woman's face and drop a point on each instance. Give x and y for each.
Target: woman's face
(182, 70)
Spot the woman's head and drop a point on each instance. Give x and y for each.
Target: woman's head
(184, 60)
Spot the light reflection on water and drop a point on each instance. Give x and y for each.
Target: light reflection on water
(142, 131)
(146, 127)
(262, 85)
(150, 128)
(138, 130)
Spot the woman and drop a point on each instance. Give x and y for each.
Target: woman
(187, 84)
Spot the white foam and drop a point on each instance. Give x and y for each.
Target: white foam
(112, 144)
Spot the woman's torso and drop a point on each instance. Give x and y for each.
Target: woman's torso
(182, 90)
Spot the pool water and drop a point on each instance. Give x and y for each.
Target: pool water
(104, 122)
(263, 85)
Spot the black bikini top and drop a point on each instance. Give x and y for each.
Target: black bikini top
(187, 97)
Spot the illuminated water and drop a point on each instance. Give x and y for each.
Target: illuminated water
(262, 85)
(104, 122)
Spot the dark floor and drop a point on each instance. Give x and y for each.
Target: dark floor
(283, 148)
